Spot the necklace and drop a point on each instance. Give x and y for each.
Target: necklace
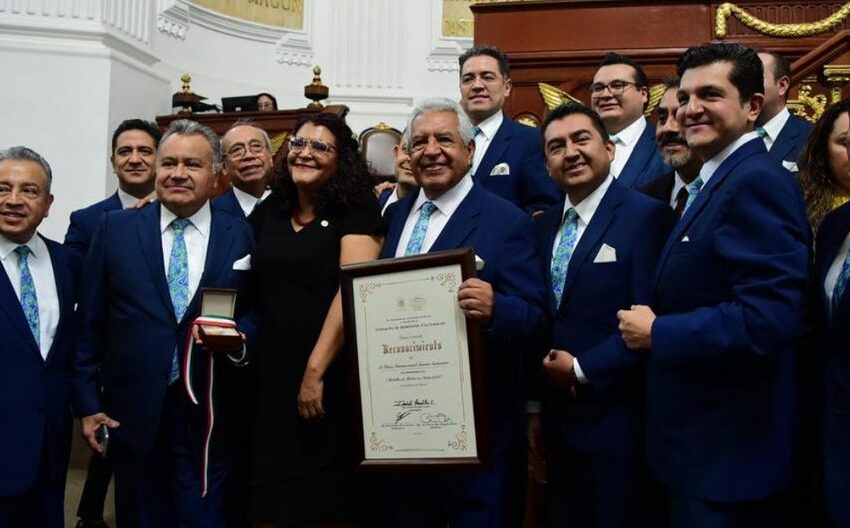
(297, 219)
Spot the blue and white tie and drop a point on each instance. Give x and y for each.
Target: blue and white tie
(563, 253)
(178, 281)
(29, 299)
(693, 190)
(417, 237)
(841, 283)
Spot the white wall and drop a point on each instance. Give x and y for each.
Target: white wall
(74, 69)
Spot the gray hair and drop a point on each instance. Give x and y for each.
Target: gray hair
(248, 122)
(441, 104)
(21, 153)
(185, 127)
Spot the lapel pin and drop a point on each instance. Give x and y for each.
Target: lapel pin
(324, 223)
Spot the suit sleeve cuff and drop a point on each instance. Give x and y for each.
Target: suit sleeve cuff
(579, 373)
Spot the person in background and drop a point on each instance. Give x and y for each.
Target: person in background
(38, 331)
(824, 166)
(247, 162)
(405, 183)
(266, 102)
(322, 214)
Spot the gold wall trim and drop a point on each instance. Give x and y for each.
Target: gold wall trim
(775, 30)
(287, 14)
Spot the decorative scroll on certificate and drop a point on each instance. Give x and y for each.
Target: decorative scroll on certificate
(418, 367)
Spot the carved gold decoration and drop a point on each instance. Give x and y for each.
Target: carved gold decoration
(186, 78)
(278, 142)
(554, 96)
(656, 92)
(775, 30)
(809, 107)
(316, 91)
(836, 76)
(278, 13)
(527, 120)
(382, 126)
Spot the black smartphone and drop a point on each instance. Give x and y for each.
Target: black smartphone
(102, 437)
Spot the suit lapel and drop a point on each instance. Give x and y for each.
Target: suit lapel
(495, 150)
(598, 226)
(150, 240)
(62, 278)
(744, 151)
(216, 261)
(11, 305)
(785, 141)
(462, 222)
(400, 214)
(640, 155)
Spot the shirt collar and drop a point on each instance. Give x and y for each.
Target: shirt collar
(776, 123)
(450, 200)
(678, 183)
(491, 125)
(201, 219)
(632, 133)
(248, 201)
(36, 245)
(709, 167)
(128, 200)
(586, 208)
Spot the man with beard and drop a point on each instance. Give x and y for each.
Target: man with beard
(247, 161)
(672, 187)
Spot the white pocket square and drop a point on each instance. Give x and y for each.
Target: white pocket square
(790, 165)
(686, 239)
(502, 169)
(479, 263)
(243, 264)
(606, 254)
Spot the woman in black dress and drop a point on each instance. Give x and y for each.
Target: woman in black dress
(321, 214)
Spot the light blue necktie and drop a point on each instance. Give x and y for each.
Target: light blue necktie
(693, 190)
(841, 283)
(178, 281)
(417, 237)
(29, 300)
(563, 253)
(475, 131)
(761, 132)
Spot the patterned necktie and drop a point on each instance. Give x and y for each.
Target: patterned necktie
(178, 282)
(761, 132)
(693, 190)
(29, 300)
(475, 131)
(681, 199)
(417, 237)
(841, 283)
(563, 253)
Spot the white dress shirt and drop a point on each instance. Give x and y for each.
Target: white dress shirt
(774, 127)
(41, 269)
(678, 183)
(446, 206)
(196, 236)
(585, 211)
(710, 167)
(488, 128)
(248, 201)
(628, 139)
(834, 270)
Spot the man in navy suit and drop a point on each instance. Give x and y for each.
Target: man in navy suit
(507, 298)
(134, 144)
(142, 289)
(599, 248)
(37, 325)
(507, 159)
(784, 134)
(832, 318)
(671, 188)
(727, 309)
(619, 94)
(247, 162)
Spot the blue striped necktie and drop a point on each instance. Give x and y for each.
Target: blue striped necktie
(29, 299)
(417, 237)
(178, 281)
(693, 190)
(841, 283)
(563, 253)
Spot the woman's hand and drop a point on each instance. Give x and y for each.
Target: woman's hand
(310, 397)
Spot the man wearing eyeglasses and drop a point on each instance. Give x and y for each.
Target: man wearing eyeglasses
(619, 94)
(508, 160)
(247, 162)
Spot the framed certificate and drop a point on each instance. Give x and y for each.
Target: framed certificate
(417, 370)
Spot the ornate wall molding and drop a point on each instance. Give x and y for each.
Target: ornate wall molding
(444, 50)
(371, 57)
(173, 18)
(784, 21)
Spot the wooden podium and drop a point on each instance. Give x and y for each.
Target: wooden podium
(561, 43)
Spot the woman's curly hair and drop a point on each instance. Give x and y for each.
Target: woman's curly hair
(816, 178)
(350, 184)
